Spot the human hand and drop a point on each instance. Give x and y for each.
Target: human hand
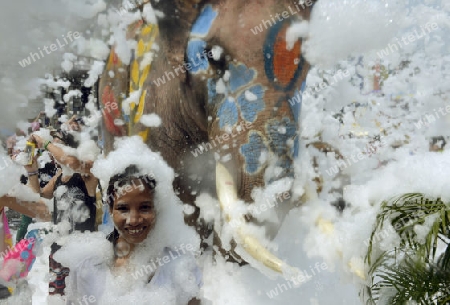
(22, 158)
(72, 123)
(34, 138)
(33, 167)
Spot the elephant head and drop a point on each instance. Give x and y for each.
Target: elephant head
(221, 76)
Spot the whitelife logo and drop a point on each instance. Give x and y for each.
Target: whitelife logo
(53, 47)
(360, 155)
(303, 277)
(300, 5)
(406, 39)
(172, 255)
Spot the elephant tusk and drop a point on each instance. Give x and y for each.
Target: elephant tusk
(253, 247)
(227, 194)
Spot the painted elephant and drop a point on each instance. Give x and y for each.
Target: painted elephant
(219, 74)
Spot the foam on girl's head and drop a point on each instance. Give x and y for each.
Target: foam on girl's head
(132, 151)
(133, 157)
(120, 183)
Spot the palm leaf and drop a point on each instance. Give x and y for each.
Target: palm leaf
(413, 280)
(411, 271)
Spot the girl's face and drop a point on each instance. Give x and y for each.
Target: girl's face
(134, 212)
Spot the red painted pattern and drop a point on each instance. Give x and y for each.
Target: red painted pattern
(111, 112)
(285, 62)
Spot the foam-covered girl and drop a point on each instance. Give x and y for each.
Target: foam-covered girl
(150, 257)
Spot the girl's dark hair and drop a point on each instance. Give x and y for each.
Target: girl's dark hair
(130, 173)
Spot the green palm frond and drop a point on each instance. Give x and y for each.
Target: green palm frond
(407, 211)
(411, 271)
(413, 280)
(444, 260)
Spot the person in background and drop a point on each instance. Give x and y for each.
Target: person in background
(12, 140)
(45, 174)
(15, 265)
(73, 191)
(79, 189)
(437, 144)
(73, 124)
(36, 124)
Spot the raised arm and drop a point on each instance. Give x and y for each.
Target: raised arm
(61, 157)
(33, 180)
(32, 209)
(73, 162)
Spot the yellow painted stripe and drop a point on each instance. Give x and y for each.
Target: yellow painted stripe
(146, 39)
(140, 48)
(135, 72)
(147, 29)
(144, 134)
(144, 76)
(140, 110)
(110, 59)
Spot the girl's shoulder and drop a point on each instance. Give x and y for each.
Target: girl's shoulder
(180, 276)
(177, 268)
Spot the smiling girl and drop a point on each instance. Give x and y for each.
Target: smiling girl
(127, 274)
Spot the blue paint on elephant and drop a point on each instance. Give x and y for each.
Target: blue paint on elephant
(197, 56)
(295, 102)
(252, 152)
(296, 147)
(204, 22)
(279, 133)
(211, 84)
(250, 109)
(240, 76)
(227, 113)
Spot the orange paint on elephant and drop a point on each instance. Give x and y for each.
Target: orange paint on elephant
(285, 61)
